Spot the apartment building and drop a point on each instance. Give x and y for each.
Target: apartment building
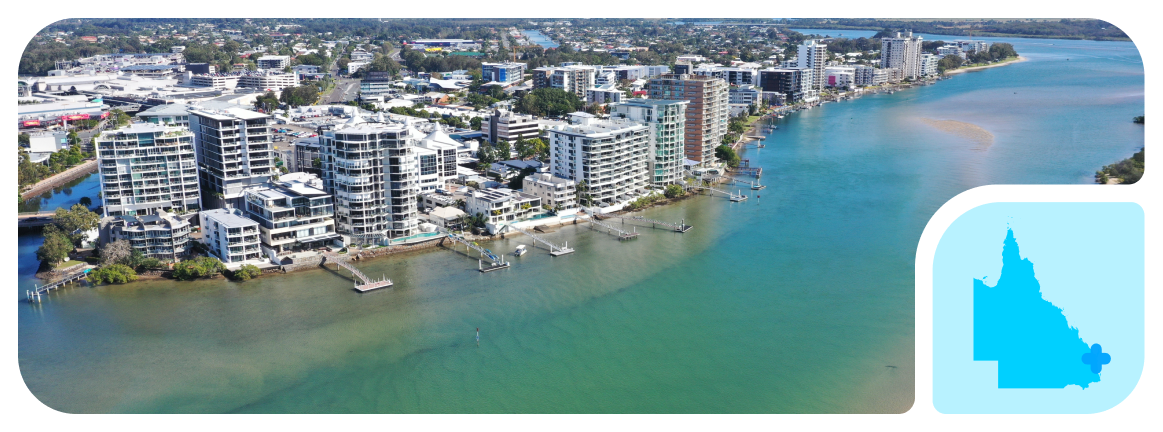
(794, 83)
(573, 78)
(706, 115)
(361, 56)
(504, 73)
(732, 75)
(234, 152)
(372, 171)
(147, 168)
(508, 126)
(436, 154)
(604, 94)
(929, 64)
(746, 94)
(972, 46)
(306, 151)
(229, 235)
(502, 206)
(376, 84)
(293, 213)
(840, 77)
(948, 50)
(902, 52)
(666, 120)
(556, 193)
(813, 55)
(610, 156)
(214, 81)
(160, 235)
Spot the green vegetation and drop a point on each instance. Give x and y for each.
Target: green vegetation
(56, 246)
(245, 273)
(643, 202)
(674, 191)
(113, 274)
(548, 102)
(268, 101)
(29, 172)
(1139, 119)
(518, 181)
(1128, 171)
(300, 95)
(200, 267)
(65, 233)
(534, 148)
(727, 154)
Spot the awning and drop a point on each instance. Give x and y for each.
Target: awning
(310, 239)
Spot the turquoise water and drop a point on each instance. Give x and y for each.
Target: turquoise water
(540, 39)
(798, 300)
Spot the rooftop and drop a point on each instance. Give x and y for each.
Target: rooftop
(228, 218)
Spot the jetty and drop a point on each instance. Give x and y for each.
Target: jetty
(367, 284)
(34, 296)
(554, 250)
(680, 227)
(497, 261)
(622, 234)
(746, 168)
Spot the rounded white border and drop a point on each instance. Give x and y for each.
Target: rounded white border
(23, 411)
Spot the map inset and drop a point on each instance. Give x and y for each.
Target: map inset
(1029, 337)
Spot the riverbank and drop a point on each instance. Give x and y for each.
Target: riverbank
(58, 179)
(1000, 63)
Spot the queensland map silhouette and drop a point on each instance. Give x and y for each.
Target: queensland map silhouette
(1029, 337)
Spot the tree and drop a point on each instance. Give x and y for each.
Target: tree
(300, 95)
(475, 123)
(582, 194)
(549, 102)
(56, 247)
(75, 221)
(673, 191)
(246, 272)
(267, 101)
(502, 150)
(85, 201)
(115, 252)
(200, 267)
(113, 274)
(727, 154)
(486, 154)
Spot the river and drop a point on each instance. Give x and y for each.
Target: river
(798, 300)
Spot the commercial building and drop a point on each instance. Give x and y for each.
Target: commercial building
(706, 115)
(372, 171)
(813, 55)
(234, 153)
(161, 235)
(269, 81)
(376, 84)
(177, 114)
(556, 193)
(48, 142)
(610, 156)
(501, 206)
(293, 213)
(362, 56)
(147, 168)
(508, 126)
(666, 120)
(902, 52)
(273, 62)
(215, 81)
(229, 235)
(504, 73)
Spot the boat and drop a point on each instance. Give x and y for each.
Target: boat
(520, 250)
(757, 186)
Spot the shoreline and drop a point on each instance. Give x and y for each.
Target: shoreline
(977, 68)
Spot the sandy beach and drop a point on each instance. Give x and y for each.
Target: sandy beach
(969, 131)
(976, 68)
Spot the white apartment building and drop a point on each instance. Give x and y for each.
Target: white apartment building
(840, 76)
(508, 126)
(293, 213)
(864, 76)
(746, 94)
(573, 78)
(436, 155)
(234, 152)
(902, 52)
(502, 206)
(948, 50)
(732, 75)
(273, 62)
(666, 120)
(355, 66)
(604, 94)
(610, 156)
(813, 54)
(972, 46)
(372, 171)
(161, 235)
(146, 169)
(504, 73)
(230, 235)
(604, 77)
(929, 64)
(362, 56)
(556, 193)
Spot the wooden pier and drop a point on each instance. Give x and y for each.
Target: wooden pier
(34, 296)
(367, 285)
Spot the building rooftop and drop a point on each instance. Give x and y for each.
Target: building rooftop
(228, 218)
